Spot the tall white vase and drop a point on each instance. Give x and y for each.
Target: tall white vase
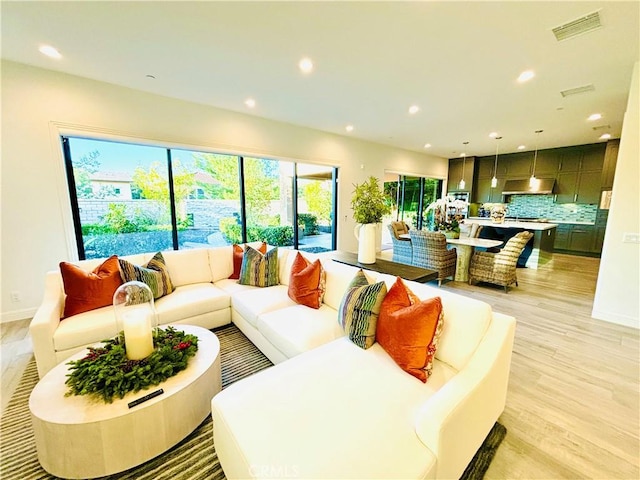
(366, 235)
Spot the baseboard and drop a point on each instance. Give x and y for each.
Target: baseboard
(625, 320)
(15, 315)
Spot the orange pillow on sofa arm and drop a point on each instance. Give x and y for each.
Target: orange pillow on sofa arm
(89, 290)
(409, 329)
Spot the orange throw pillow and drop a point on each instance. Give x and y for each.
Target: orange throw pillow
(409, 328)
(238, 253)
(306, 282)
(89, 290)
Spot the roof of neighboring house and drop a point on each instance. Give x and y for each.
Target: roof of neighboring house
(111, 176)
(203, 177)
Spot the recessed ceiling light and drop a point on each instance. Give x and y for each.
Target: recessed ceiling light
(595, 116)
(605, 136)
(250, 102)
(526, 76)
(521, 147)
(305, 65)
(349, 128)
(50, 51)
(414, 109)
(493, 134)
(427, 145)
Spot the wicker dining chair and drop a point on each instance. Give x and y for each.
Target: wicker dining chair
(499, 268)
(402, 249)
(430, 251)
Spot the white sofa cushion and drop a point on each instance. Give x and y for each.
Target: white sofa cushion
(294, 330)
(338, 278)
(85, 328)
(465, 323)
(190, 301)
(221, 262)
(285, 260)
(188, 266)
(280, 417)
(251, 303)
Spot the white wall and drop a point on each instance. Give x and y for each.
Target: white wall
(617, 296)
(38, 105)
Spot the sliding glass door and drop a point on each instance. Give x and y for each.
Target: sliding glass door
(410, 196)
(316, 188)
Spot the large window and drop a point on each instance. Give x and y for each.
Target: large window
(212, 210)
(130, 199)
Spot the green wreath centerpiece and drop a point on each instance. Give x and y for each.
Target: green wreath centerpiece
(106, 372)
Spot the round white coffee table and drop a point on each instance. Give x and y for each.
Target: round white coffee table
(80, 437)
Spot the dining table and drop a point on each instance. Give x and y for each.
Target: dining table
(465, 247)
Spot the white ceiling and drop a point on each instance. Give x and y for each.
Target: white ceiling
(457, 60)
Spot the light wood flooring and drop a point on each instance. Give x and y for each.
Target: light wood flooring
(573, 402)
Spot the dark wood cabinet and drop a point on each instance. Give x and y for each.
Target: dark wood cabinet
(578, 171)
(579, 238)
(483, 193)
(582, 238)
(609, 167)
(562, 237)
(456, 173)
(580, 174)
(578, 187)
(599, 239)
(566, 184)
(569, 159)
(593, 157)
(518, 165)
(588, 190)
(484, 167)
(547, 164)
(600, 227)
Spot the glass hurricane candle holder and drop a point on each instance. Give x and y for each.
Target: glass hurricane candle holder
(135, 318)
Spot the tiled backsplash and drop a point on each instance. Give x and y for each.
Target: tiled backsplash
(543, 206)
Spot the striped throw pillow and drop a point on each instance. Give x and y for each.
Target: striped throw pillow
(155, 274)
(259, 270)
(359, 310)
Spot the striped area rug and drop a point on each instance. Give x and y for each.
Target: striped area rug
(192, 459)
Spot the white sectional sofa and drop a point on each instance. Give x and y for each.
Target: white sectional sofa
(332, 410)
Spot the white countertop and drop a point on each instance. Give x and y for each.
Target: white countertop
(565, 222)
(512, 224)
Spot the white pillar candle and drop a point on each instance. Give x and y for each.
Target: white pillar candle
(138, 337)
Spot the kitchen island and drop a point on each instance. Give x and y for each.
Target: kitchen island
(538, 251)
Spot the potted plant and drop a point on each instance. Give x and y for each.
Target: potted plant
(369, 206)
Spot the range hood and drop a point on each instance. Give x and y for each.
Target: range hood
(521, 187)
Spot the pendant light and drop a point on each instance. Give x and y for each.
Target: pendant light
(462, 183)
(533, 182)
(494, 180)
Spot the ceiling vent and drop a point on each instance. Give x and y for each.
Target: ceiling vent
(577, 90)
(602, 127)
(578, 26)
